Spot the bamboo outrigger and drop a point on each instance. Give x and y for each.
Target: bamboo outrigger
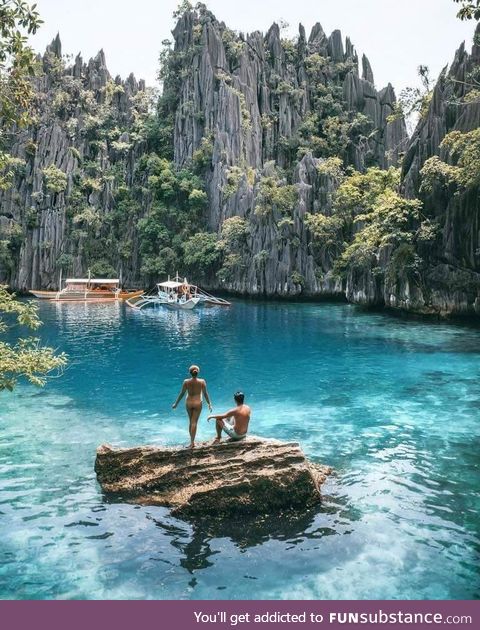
(177, 294)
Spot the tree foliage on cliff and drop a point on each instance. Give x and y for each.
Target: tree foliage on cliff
(274, 193)
(391, 221)
(329, 129)
(369, 216)
(463, 166)
(470, 9)
(201, 253)
(177, 213)
(17, 61)
(24, 357)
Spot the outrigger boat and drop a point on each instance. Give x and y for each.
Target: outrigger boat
(176, 294)
(88, 290)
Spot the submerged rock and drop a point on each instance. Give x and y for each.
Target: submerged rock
(255, 476)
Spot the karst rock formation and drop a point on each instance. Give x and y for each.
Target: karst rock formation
(248, 99)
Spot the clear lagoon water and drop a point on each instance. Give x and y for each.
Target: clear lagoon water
(392, 405)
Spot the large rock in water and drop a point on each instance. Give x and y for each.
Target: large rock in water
(254, 476)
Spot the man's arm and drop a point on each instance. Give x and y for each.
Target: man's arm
(180, 395)
(223, 416)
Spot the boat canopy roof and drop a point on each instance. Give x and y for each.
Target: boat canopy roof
(170, 284)
(91, 281)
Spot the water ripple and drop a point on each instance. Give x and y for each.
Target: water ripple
(394, 407)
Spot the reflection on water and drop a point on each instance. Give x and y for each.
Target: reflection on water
(196, 541)
(181, 325)
(394, 406)
(99, 316)
(196, 548)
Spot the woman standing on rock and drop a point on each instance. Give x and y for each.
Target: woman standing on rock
(195, 388)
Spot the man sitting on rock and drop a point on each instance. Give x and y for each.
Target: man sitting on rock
(234, 422)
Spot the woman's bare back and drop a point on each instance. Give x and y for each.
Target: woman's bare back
(195, 388)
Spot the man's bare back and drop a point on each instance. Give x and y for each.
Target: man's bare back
(240, 414)
(241, 418)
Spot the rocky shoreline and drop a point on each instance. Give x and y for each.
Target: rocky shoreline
(252, 477)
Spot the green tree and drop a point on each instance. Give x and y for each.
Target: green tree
(391, 221)
(102, 269)
(177, 213)
(381, 218)
(17, 60)
(416, 100)
(274, 192)
(235, 231)
(25, 357)
(17, 64)
(202, 253)
(463, 169)
(326, 231)
(183, 7)
(233, 244)
(55, 179)
(470, 9)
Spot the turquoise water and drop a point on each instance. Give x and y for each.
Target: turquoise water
(393, 405)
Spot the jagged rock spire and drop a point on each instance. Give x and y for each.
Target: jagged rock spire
(78, 66)
(367, 72)
(476, 45)
(55, 47)
(335, 47)
(317, 40)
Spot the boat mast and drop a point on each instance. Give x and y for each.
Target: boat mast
(88, 284)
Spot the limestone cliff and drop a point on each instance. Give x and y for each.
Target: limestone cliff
(254, 97)
(250, 100)
(450, 282)
(45, 218)
(252, 121)
(446, 281)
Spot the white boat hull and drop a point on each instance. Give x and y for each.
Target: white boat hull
(44, 295)
(184, 306)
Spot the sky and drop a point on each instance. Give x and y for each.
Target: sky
(396, 35)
